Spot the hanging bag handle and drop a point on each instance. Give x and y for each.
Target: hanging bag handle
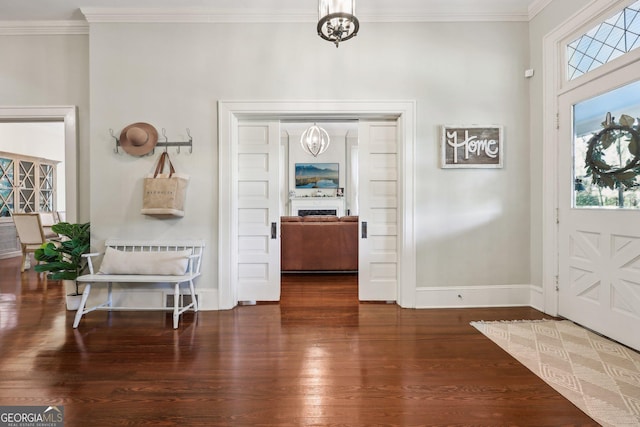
(160, 165)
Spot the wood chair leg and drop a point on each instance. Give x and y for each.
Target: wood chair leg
(24, 260)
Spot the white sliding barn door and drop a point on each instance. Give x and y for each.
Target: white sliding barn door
(258, 214)
(379, 210)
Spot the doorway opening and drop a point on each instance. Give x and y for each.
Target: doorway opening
(319, 199)
(244, 134)
(67, 117)
(37, 177)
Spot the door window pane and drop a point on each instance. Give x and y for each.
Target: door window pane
(606, 150)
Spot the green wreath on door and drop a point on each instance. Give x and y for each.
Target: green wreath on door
(614, 134)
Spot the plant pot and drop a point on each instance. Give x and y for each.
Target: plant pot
(73, 298)
(73, 301)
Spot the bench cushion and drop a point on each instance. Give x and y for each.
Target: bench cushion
(172, 263)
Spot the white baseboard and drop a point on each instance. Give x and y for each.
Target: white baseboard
(11, 255)
(208, 299)
(426, 297)
(474, 296)
(537, 298)
(150, 298)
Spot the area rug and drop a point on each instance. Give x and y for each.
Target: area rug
(599, 376)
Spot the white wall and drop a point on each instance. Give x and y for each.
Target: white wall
(51, 71)
(472, 225)
(542, 24)
(336, 153)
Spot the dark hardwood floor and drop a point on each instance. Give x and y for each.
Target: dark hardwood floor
(317, 358)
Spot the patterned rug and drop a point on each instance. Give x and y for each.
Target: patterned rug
(599, 376)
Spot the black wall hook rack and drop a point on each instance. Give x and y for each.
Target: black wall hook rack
(166, 143)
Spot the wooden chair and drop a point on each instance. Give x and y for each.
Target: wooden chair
(48, 220)
(30, 233)
(61, 216)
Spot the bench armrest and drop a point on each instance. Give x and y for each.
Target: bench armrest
(88, 257)
(92, 254)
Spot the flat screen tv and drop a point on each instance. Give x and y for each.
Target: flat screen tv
(317, 175)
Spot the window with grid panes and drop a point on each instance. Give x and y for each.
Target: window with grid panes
(27, 184)
(7, 187)
(46, 187)
(605, 42)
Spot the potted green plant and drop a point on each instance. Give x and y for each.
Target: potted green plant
(63, 260)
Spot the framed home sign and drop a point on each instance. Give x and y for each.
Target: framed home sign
(471, 147)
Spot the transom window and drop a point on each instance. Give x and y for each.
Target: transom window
(604, 42)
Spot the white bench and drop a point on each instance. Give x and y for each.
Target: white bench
(136, 250)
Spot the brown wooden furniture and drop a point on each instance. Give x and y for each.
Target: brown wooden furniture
(319, 243)
(30, 233)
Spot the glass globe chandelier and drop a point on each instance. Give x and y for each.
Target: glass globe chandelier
(315, 140)
(336, 20)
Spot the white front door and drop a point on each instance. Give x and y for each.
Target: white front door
(599, 242)
(378, 261)
(257, 217)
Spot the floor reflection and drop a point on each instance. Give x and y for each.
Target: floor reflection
(319, 357)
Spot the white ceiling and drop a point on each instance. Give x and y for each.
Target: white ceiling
(367, 10)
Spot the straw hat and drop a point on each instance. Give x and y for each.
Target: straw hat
(138, 139)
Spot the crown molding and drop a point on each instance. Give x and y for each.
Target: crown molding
(470, 16)
(36, 28)
(536, 7)
(176, 15)
(189, 15)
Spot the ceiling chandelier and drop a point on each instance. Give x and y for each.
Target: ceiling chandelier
(337, 21)
(315, 140)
